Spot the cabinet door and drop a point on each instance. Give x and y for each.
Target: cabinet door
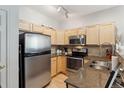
(59, 64)
(53, 67)
(107, 34)
(92, 35)
(64, 63)
(37, 28)
(47, 31)
(66, 40)
(60, 37)
(3, 48)
(73, 32)
(53, 37)
(81, 31)
(25, 26)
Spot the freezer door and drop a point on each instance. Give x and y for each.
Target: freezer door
(37, 43)
(37, 71)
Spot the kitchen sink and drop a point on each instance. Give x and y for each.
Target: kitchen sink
(101, 65)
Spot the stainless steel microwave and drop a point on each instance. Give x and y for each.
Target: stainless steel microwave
(77, 39)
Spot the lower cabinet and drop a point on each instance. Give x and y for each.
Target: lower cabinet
(53, 66)
(58, 65)
(64, 64)
(61, 64)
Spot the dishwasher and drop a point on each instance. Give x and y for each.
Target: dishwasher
(119, 81)
(116, 78)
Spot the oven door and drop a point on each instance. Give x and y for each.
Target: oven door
(74, 63)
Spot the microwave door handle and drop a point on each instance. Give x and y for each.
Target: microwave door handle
(80, 40)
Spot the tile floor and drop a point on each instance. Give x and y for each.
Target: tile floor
(58, 81)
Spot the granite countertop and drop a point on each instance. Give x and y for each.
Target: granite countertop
(87, 57)
(89, 78)
(97, 58)
(55, 55)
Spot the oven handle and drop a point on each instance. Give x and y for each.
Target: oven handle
(75, 58)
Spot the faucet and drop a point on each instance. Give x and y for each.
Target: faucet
(107, 43)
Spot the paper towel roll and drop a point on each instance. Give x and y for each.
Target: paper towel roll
(114, 62)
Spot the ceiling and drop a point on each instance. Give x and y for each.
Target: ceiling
(86, 9)
(74, 10)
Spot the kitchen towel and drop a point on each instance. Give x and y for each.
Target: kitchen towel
(114, 62)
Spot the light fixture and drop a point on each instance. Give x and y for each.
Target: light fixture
(66, 14)
(61, 8)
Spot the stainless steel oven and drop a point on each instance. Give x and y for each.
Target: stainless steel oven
(74, 63)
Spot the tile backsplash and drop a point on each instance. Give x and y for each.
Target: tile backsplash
(92, 50)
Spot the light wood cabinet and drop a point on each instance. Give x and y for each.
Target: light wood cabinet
(47, 31)
(107, 34)
(58, 65)
(81, 31)
(64, 64)
(53, 37)
(37, 28)
(92, 35)
(66, 38)
(60, 37)
(53, 66)
(61, 64)
(25, 26)
(73, 32)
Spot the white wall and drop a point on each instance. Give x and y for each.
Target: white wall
(37, 17)
(12, 45)
(115, 15)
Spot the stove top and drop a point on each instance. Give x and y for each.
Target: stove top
(77, 56)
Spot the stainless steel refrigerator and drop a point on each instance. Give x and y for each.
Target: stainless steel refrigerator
(34, 60)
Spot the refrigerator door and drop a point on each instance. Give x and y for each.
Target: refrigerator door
(37, 71)
(36, 43)
(37, 60)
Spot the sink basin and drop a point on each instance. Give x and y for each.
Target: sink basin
(101, 65)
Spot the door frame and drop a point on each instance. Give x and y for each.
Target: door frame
(12, 45)
(3, 48)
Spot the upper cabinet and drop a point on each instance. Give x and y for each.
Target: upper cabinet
(107, 34)
(25, 26)
(47, 31)
(66, 38)
(95, 34)
(72, 32)
(37, 28)
(53, 37)
(81, 31)
(60, 37)
(92, 35)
